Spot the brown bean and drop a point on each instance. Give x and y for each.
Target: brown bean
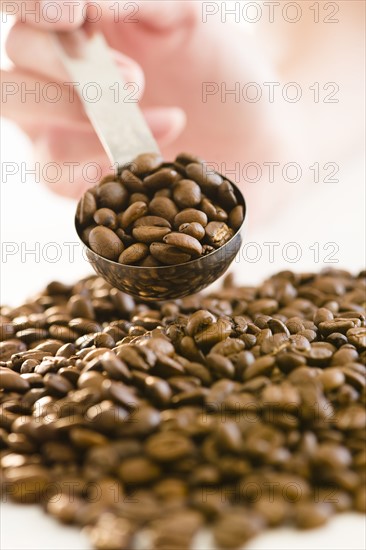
(133, 213)
(165, 177)
(168, 255)
(164, 208)
(187, 194)
(146, 162)
(104, 241)
(186, 243)
(86, 209)
(218, 233)
(149, 234)
(150, 221)
(105, 216)
(133, 254)
(112, 195)
(193, 229)
(190, 215)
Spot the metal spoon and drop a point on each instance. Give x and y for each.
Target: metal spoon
(124, 134)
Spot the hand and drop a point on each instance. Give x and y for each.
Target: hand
(174, 52)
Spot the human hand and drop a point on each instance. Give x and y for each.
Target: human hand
(173, 50)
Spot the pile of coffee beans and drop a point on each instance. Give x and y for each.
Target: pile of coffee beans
(239, 410)
(158, 213)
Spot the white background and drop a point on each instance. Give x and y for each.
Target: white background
(31, 217)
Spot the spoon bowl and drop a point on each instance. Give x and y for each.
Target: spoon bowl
(172, 281)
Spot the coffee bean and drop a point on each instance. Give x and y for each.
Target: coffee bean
(133, 254)
(105, 242)
(168, 255)
(187, 194)
(12, 381)
(134, 212)
(158, 410)
(112, 195)
(86, 209)
(149, 234)
(205, 177)
(214, 212)
(190, 215)
(105, 216)
(186, 243)
(193, 229)
(164, 208)
(152, 221)
(165, 177)
(132, 182)
(146, 162)
(168, 447)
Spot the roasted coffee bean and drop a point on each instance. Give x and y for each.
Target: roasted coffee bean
(133, 213)
(149, 234)
(146, 162)
(132, 182)
(214, 212)
(164, 177)
(105, 242)
(152, 221)
(205, 177)
(193, 229)
(86, 209)
(187, 194)
(186, 243)
(166, 404)
(105, 216)
(164, 208)
(134, 254)
(190, 215)
(112, 195)
(168, 255)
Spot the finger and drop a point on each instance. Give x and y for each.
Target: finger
(41, 57)
(30, 99)
(55, 15)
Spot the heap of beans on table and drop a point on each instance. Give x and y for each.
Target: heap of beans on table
(158, 213)
(238, 410)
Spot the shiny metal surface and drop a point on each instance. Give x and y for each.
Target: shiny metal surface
(109, 102)
(169, 282)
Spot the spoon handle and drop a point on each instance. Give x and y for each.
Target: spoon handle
(109, 102)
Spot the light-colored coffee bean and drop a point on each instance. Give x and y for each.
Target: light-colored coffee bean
(218, 233)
